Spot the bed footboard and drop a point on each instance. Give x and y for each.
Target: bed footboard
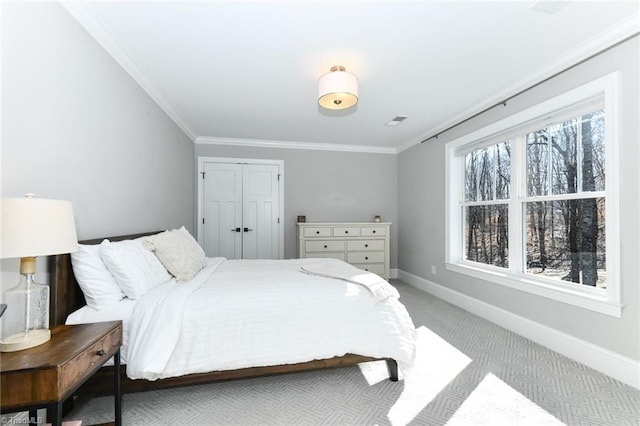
(100, 383)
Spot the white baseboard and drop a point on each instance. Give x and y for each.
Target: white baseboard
(393, 273)
(619, 367)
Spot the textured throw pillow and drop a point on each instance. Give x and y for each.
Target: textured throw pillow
(98, 285)
(135, 269)
(178, 251)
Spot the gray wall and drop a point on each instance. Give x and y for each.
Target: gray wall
(75, 126)
(421, 197)
(328, 186)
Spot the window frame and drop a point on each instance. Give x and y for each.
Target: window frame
(606, 301)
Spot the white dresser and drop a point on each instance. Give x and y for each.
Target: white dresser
(364, 245)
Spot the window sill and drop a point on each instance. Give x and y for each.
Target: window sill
(583, 299)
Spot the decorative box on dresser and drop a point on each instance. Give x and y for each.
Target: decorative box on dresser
(364, 245)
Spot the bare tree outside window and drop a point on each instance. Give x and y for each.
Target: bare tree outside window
(563, 206)
(487, 183)
(533, 199)
(564, 258)
(565, 235)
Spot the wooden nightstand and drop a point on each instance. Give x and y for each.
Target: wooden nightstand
(46, 375)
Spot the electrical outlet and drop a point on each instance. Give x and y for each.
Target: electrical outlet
(433, 269)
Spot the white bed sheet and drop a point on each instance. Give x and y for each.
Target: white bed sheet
(121, 310)
(246, 313)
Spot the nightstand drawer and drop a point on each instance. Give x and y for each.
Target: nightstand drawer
(358, 257)
(317, 232)
(85, 363)
(324, 246)
(365, 245)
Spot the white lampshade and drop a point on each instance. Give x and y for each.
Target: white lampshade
(32, 227)
(338, 89)
(36, 227)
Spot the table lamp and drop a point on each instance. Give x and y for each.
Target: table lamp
(31, 227)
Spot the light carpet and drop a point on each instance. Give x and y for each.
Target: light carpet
(468, 372)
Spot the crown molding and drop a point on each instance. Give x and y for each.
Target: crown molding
(263, 143)
(92, 24)
(80, 11)
(625, 29)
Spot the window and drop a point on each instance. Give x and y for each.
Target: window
(532, 200)
(487, 177)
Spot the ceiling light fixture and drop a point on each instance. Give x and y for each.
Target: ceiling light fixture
(338, 89)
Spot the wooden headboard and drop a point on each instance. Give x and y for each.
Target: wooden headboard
(66, 295)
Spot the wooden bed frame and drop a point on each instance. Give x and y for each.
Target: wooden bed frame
(66, 297)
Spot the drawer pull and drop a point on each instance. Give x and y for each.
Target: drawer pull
(366, 245)
(366, 258)
(317, 232)
(101, 352)
(325, 246)
(374, 231)
(346, 232)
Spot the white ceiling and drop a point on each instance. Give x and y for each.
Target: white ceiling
(247, 72)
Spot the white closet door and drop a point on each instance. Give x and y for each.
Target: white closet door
(241, 210)
(260, 212)
(222, 209)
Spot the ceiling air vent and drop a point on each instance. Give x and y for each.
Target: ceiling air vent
(396, 120)
(549, 6)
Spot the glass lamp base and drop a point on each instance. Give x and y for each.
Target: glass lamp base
(27, 340)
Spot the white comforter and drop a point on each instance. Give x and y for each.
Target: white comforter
(246, 313)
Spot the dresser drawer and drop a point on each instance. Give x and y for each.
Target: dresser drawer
(371, 231)
(344, 231)
(328, 255)
(317, 232)
(323, 246)
(363, 257)
(363, 245)
(376, 268)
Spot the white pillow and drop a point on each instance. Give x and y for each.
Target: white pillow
(96, 282)
(178, 251)
(135, 268)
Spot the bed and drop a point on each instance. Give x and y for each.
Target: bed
(221, 279)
